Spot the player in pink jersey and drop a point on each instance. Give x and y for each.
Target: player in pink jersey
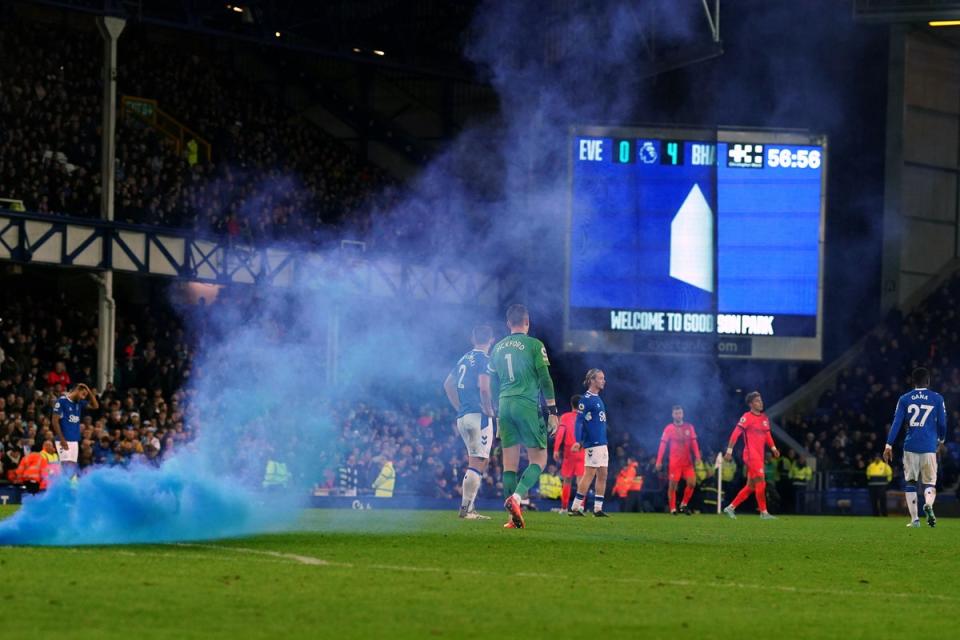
(684, 450)
(571, 462)
(754, 426)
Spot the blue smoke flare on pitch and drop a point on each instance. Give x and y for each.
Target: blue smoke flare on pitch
(119, 506)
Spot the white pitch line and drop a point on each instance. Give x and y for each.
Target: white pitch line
(314, 561)
(310, 560)
(159, 554)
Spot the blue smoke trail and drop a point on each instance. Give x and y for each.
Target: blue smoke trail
(140, 505)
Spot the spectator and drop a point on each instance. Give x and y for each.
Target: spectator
(273, 175)
(11, 461)
(442, 489)
(59, 376)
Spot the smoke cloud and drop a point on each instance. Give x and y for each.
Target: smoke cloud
(496, 199)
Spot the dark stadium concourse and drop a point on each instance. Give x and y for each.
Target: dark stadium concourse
(340, 318)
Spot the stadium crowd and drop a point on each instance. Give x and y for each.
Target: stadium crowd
(272, 175)
(48, 348)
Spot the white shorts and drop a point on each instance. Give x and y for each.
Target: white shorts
(922, 466)
(479, 439)
(597, 457)
(69, 454)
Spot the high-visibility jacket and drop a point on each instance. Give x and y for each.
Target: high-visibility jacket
(33, 468)
(729, 471)
(383, 485)
(53, 466)
(879, 473)
(624, 482)
(193, 152)
(786, 465)
(701, 469)
(550, 486)
(800, 475)
(276, 474)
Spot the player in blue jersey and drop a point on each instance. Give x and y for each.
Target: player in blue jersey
(476, 428)
(591, 433)
(926, 416)
(66, 424)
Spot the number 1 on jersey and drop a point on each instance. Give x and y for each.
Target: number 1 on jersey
(509, 358)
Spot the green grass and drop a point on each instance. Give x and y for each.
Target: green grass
(384, 574)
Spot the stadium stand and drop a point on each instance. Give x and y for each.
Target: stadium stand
(851, 421)
(272, 175)
(143, 415)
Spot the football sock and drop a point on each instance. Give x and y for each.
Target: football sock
(687, 494)
(577, 502)
(910, 493)
(743, 495)
(471, 484)
(929, 494)
(672, 499)
(528, 480)
(565, 497)
(509, 483)
(597, 503)
(761, 491)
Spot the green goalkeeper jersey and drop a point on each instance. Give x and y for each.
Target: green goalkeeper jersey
(521, 365)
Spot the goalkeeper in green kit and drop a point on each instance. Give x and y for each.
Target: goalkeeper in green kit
(521, 366)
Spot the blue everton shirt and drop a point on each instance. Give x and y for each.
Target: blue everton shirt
(926, 416)
(591, 426)
(69, 412)
(466, 375)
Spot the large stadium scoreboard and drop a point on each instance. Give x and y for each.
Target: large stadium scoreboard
(696, 241)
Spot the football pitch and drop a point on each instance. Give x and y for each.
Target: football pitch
(403, 574)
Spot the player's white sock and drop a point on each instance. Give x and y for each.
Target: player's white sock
(577, 503)
(911, 495)
(929, 494)
(471, 485)
(597, 503)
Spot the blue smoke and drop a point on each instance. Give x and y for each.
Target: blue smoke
(177, 502)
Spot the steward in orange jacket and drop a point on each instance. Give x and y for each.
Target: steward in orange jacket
(625, 478)
(32, 472)
(628, 486)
